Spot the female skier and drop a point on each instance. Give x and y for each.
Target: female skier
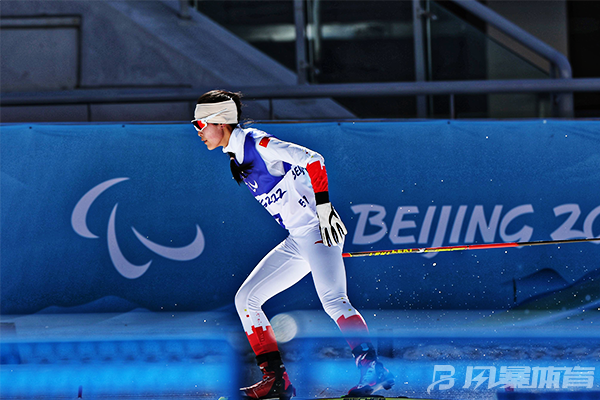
(290, 181)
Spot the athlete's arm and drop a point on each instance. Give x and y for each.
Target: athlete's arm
(273, 149)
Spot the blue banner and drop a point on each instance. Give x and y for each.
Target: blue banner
(112, 217)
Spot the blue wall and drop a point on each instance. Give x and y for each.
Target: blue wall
(71, 195)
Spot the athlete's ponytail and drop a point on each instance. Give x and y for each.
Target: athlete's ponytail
(239, 171)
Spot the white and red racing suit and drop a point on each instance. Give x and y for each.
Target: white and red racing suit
(284, 178)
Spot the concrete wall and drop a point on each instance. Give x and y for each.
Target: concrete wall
(54, 45)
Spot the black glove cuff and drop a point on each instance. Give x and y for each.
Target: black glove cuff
(322, 197)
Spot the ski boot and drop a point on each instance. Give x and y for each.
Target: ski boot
(373, 375)
(275, 382)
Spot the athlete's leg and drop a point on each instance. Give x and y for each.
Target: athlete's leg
(329, 275)
(277, 271)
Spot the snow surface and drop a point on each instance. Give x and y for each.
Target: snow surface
(203, 355)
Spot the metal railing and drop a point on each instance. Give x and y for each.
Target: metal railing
(561, 85)
(450, 88)
(560, 66)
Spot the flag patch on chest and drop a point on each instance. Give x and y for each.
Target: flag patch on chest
(264, 142)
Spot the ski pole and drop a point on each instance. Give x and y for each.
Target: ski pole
(464, 247)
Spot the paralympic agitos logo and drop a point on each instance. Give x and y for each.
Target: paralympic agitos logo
(123, 266)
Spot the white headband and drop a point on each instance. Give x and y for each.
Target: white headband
(229, 116)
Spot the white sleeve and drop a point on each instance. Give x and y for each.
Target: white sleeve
(273, 149)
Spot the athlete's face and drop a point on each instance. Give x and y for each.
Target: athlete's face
(213, 136)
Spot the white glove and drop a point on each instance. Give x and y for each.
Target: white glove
(332, 227)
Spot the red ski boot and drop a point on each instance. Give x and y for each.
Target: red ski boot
(275, 382)
(373, 375)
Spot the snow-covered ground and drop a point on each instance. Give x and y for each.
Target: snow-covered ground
(434, 354)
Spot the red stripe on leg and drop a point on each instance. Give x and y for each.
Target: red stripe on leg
(262, 340)
(354, 324)
(354, 329)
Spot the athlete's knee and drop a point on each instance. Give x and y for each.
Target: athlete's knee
(241, 299)
(337, 306)
(244, 300)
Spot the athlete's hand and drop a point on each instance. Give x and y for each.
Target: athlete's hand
(332, 227)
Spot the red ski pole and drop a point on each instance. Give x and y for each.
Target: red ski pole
(464, 247)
